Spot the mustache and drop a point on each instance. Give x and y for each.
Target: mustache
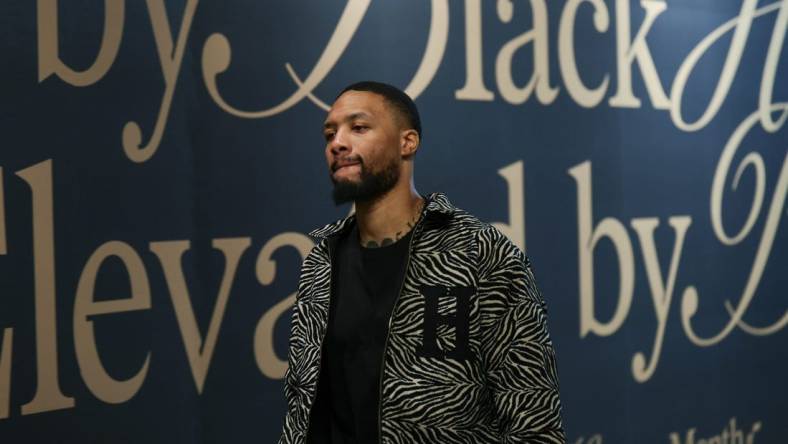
(339, 163)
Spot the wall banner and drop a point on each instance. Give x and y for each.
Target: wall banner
(162, 162)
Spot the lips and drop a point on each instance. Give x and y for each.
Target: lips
(346, 165)
(341, 164)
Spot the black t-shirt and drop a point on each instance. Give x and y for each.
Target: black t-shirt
(365, 284)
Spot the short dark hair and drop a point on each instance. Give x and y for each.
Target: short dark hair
(397, 98)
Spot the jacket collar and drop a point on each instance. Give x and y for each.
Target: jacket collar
(437, 203)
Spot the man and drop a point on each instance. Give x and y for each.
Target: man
(414, 321)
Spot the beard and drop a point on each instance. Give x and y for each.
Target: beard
(370, 185)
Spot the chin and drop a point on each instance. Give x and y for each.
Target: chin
(345, 180)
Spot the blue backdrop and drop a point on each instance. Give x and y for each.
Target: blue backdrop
(162, 162)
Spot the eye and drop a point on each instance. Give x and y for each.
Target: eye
(359, 128)
(328, 136)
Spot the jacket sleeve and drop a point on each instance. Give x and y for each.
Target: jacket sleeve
(296, 415)
(519, 356)
(289, 427)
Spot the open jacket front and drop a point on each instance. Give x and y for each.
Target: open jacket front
(468, 357)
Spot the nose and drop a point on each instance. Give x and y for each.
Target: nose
(338, 144)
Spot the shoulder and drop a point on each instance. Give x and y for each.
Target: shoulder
(317, 255)
(488, 240)
(492, 249)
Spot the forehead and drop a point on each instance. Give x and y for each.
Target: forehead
(353, 104)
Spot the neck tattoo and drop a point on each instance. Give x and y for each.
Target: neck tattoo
(390, 240)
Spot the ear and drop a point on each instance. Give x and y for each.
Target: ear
(409, 142)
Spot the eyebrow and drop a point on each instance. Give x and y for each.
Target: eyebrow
(348, 118)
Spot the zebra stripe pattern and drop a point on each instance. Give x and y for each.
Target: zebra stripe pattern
(504, 390)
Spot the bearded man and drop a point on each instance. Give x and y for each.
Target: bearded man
(414, 322)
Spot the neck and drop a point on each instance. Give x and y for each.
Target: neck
(385, 220)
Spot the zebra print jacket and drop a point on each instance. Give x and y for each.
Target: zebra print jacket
(468, 357)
